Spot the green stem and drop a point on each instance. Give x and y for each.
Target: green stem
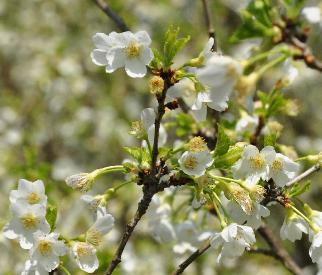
(311, 224)
(222, 219)
(108, 169)
(270, 65)
(64, 269)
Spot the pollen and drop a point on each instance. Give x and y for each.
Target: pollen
(257, 162)
(45, 247)
(133, 49)
(29, 221)
(190, 162)
(33, 198)
(277, 165)
(197, 144)
(94, 237)
(82, 249)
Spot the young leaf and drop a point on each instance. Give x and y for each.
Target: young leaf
(51, 216)
(228, 159)
(172, 45)
(223, 142)
(270, 140)
(299, 188)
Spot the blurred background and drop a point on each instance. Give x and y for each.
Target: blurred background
(60, 115)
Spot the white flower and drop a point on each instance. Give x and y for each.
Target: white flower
(92, 201)
(162, 230)
(85, 256)
(158, 221)
(127, 49)
(26, 220)
(238, 215)
(195, 163)
(234, 239)
(312, 14)
(316, 247)
(207, 52)
(33, 268)
(29, 193)
(246, 124)
(282, 170)
(219, 77)
(47, 249)
(148, 119)
(254, 165)
(189, 237)
(293, 227)
(103, 224)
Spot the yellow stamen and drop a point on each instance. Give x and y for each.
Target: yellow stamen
(190, 162)
(277, 165)
(94, 237)
(197, 144)
(44, 247)
(82, 249)
(133, 49)
(257, 162)
(33, 198)
(29, 221)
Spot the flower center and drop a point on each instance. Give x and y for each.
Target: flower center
(94, 237)
(82, 250)
(190, 162)
(277, 165)
(33, 198)
(133, 49)
(231, 70)
(257, 162)
(44, 247)
(197, 144)
(29, 221)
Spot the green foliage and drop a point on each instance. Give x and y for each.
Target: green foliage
(299, 188)
(293, 7)
(229, 158)
(172, 45)
(257, 21)
(51, 216)
(140, 154)
(184, 124)
(223, 142)
(272, 103)
(270, 140)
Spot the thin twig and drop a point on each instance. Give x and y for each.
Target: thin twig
(263, 251)
(111, 14)
(305, 174)
(278, 249)
(192, 258)
(208, 21)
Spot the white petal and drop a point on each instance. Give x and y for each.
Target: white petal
(99, 57)
(146, 55)
(135, 68)
(269, 154)
(143, 37)
(148, 118)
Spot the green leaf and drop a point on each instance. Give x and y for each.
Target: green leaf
(223, 142)
(257, 21)
(293, 7)
(156, 63)
(51, 216)
(172, 45)
(142, 155)
(299, 188)
(228, 159)
(270, 140)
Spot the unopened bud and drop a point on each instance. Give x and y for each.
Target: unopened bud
(82, 182)
(156, 84)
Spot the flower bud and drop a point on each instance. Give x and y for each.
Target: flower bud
(137, 129)
(82, 182)
(156, 85)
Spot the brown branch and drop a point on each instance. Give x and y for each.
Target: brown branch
(142, 208)
(192, 258)
(119, 22)
(278, 249)
(208, 21)
(263, 251)
(305, 174)
(306, 55)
